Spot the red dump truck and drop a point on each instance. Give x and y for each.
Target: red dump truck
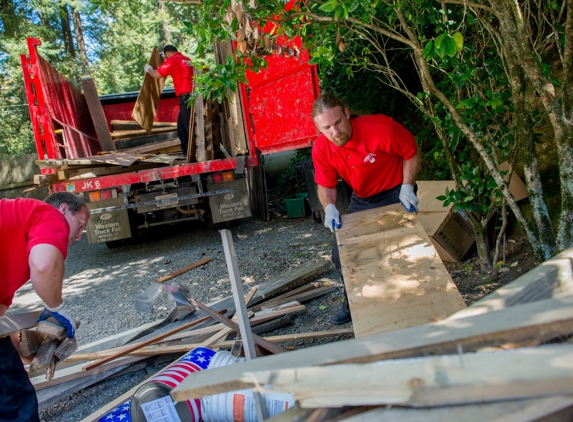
(270, 114)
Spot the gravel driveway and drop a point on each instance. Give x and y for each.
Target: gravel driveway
(101, 283)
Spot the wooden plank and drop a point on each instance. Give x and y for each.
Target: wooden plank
(289, 279)
(191, 142)
(51, 395)
(183, 270)
(45, 355)
(122, 144)
(543, 320)
(133, 125)
(432, 381)
(199, 129)
(74, 372)
(150, 341)
(88, 173)
(122, 134)
(12, 323)
(273, 348)
(29, 342)
(552, 278)
(276, 314)
(393, 275)
(505, 411)
(96, 111)
(148, 99)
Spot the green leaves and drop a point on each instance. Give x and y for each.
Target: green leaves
(444, 45)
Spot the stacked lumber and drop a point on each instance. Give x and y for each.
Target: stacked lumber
(503, 358)
(167, 341)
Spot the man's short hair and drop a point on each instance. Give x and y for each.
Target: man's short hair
(75, 202)
(325, 102)
(170, 49)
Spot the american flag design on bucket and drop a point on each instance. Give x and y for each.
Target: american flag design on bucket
(196, 360)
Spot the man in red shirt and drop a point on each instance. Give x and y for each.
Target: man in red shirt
(35, 243)
(375, 155)
(180, 69)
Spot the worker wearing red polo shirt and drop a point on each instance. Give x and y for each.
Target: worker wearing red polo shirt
(375, 155)
(180, 68)
(35, 237)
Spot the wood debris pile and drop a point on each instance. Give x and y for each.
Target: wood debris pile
(506, 357)
(272, 305)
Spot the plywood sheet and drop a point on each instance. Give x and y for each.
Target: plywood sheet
(393, 275)
(96, 111)
(148, 99)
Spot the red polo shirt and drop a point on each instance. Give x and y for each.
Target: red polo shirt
(372, 159)
(25, 223)
(180, 69)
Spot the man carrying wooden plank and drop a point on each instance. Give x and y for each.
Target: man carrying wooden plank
(375, 155)
(180, 69)
(36, 237)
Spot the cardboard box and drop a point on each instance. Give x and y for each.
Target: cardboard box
(451, 232)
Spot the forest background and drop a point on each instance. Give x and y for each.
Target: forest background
(478, 82)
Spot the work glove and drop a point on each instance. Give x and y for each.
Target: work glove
(147, 68)
(331, 217)
(408, 198)
(63, 317)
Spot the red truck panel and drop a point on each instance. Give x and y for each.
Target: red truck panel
(57, 104)
(279, 99)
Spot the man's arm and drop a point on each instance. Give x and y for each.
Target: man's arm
(47, 273)
(154, 73)
(326, 196)
(411, 168)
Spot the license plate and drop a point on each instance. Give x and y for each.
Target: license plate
(167, 201)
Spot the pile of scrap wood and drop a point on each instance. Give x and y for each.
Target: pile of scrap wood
(506, 357)
(272, 305)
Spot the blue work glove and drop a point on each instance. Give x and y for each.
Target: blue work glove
(147, 68)
(63, 317)
(331, 217)
(408, 198)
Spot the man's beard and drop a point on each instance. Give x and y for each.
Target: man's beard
(341, 139)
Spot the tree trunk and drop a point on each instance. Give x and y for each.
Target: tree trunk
(515, 35)
(430, 87)
(165, 31)
(527, 151)
(67, 31)
(80, 42)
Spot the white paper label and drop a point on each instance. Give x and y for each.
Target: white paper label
(160, 410)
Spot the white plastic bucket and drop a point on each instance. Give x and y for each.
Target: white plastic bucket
(239, 405)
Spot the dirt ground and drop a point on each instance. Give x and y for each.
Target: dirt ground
(474, 285)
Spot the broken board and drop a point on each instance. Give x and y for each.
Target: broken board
(393, 275)
(148, 98)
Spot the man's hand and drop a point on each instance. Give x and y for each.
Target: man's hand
(331, 217)
(408, 198)
(63, 317)
(147, 68)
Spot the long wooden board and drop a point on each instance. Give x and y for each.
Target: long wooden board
(393, 275)
(96, 111)
(148, 98)
(12, 323)
(430, 381)
(506, 411)
(543, 320)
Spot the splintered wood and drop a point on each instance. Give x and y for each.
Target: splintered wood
(394, 277)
